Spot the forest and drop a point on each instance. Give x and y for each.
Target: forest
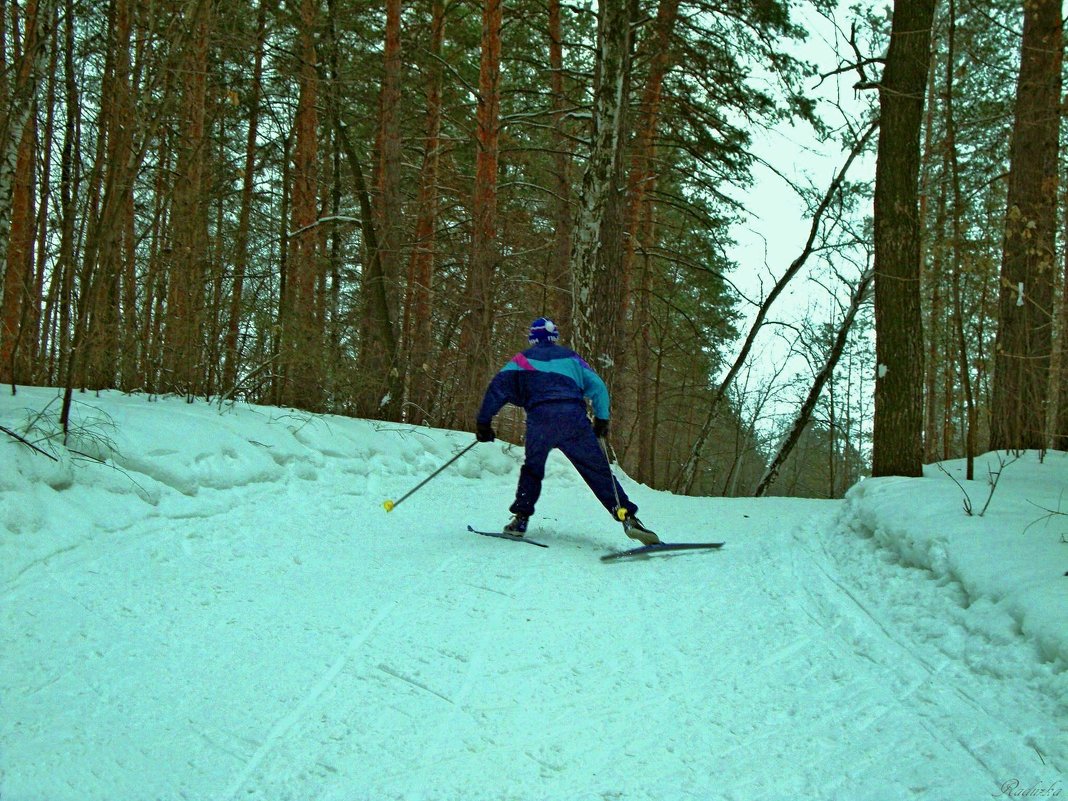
(358, 208)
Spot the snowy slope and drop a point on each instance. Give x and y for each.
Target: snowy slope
(225, 611)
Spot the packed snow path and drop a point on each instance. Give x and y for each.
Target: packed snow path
(289, 640)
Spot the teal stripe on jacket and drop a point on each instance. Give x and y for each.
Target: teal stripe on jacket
(569, 364)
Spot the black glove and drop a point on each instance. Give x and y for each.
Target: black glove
(600, 427)
(484, 432)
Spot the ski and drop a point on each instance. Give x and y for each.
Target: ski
(662, 547)
(503, 536)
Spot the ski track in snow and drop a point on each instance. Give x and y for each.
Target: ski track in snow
(283, 726)
(300, 644)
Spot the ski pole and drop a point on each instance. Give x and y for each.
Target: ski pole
(389, 506)
(621, 513)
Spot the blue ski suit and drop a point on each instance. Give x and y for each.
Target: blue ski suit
(552, 383)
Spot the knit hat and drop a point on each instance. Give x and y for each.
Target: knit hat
(543, 330)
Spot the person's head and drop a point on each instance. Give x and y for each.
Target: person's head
(543, 331)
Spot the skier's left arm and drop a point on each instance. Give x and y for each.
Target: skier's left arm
(595, 391)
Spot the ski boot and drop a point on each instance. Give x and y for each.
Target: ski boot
(636, 530)
(517, 526)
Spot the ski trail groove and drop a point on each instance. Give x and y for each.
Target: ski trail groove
(940, 691)
(413, 682)
(283, 725)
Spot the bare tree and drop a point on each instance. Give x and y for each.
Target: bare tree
(804, 414)
(689, 469)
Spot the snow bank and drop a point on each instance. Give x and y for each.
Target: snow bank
(1014, 557)
(131, 457)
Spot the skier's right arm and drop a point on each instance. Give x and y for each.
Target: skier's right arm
(504, 388)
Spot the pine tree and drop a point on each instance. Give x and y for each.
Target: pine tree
(898, 425)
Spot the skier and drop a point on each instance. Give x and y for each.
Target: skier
(552, 383)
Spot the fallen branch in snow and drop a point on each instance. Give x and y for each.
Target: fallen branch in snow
(27, 443)
(228, 396)
(143, 493)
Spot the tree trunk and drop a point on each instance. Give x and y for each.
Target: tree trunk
(898, 425)
(933, 272)
(302, 340)
(18, 275)
(638, 232)
(156, 279)
(1060, 438)
(186, 295)
(69, 182)
(645, 406)
(596, 255)
(381, 384)
(477, 328)
(557, 304)
(111, 270)
(1025, 309)
(643, 177)
(42, 373)
(241, 253)
(376, 324)
(388, 176)
(418, 295)
(952, 163)
(17, 138)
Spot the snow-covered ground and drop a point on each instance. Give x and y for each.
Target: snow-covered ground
(224, 610)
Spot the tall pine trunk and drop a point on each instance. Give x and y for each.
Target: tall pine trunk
(638, 229)
(477, 328)
(241, 246)
(301, 347)
(418, 295)
(22, 78)
(557, 293)
(186, 291)
(898, 425)
(380, 388)
(1025, 308)
(596, 255)
(69, 183)
(642, 178)
(971, 417)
